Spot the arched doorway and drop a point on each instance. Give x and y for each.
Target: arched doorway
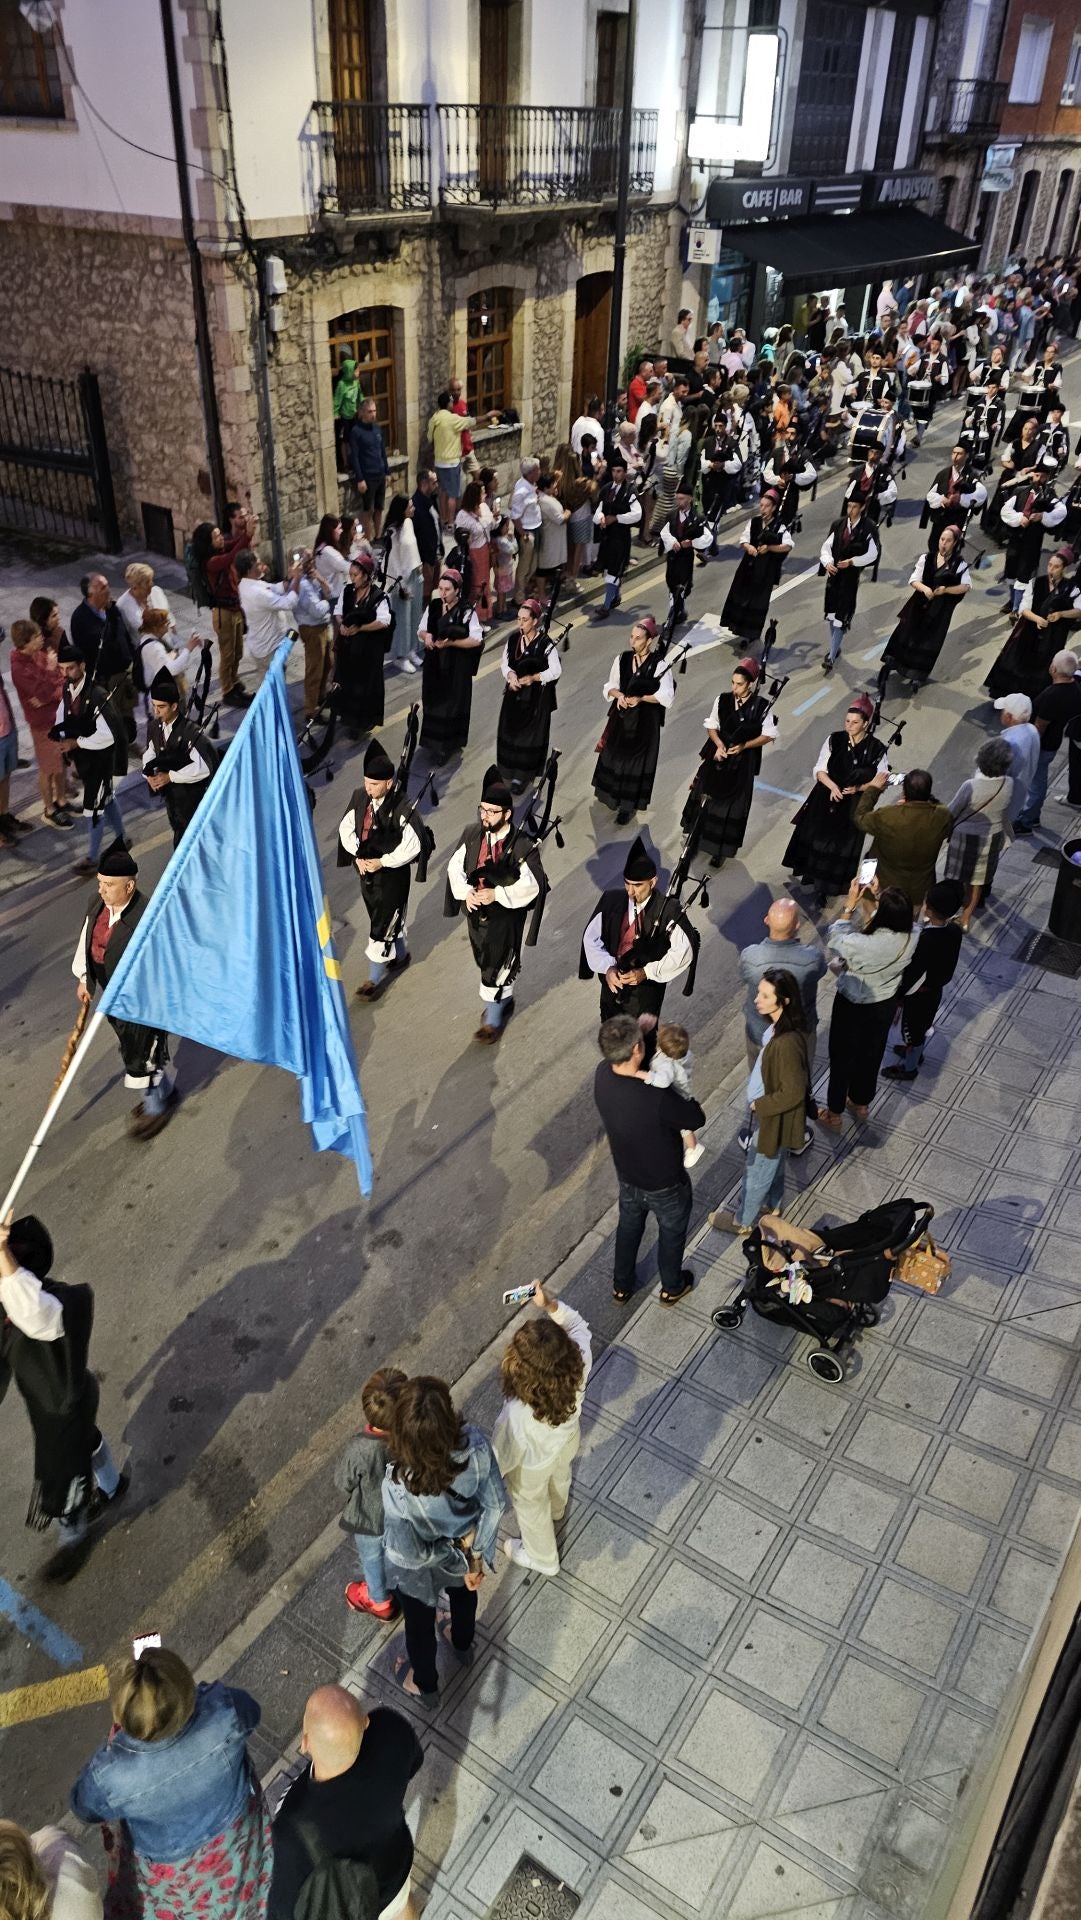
(592, 320)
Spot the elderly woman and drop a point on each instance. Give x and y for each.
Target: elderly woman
(537, 1435)
(442, 1500)
(981, 824)
(871, 944)
(530, 667)
(141, 593)
(451, 636)
(551, 555)
(639, 690)
(183, 1818)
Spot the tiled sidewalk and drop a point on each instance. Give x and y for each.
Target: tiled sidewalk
(787, 1612)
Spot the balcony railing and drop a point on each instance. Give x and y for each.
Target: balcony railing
(967, 110)
(540, 156)
(369, 158)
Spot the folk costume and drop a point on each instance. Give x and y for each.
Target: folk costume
(629, 747)
(825, 848)
(486, 859)
(102, 943)
(722, 465)
(86, 717)
(719, 803)
(449, 670)
(913, 647)
(619, 505)
(177, 749)
(789, 474)
(874, 487)
(1027, 514)
(850, 545)
(365, 631)
(652, 937)
(746, 607)
(1024, 664)
(954, 494)
(682, 526)
(525, 713)
(377, 827)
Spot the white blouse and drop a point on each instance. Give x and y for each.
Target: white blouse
(822, 762)
(519, 1439)
(666, 686)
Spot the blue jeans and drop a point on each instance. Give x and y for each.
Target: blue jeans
(110, 816)
(763, 1183)
(372, 1565)
(671, 1207)
(837, 634)
(1029, 815)
(106, 1476)
(496, 1011)
(377, 969)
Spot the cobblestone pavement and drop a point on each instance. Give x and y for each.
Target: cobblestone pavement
(788, 1613)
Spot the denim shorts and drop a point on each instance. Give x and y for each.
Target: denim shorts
(450, 479)
(9, 753)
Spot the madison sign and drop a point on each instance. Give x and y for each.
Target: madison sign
(728, 202)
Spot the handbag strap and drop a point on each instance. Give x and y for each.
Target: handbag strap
(973, 811)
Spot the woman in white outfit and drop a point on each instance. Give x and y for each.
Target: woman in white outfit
(537, 1435)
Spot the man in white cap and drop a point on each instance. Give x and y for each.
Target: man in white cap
(1023, 740)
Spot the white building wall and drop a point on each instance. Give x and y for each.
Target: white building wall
(271, 51)
(431, 52)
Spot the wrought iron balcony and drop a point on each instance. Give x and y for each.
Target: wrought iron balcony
(966, 111)
(365, 157)
(540, 156)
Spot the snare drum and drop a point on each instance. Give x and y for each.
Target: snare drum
(919, 399)
(874, 428)
(1030, 399)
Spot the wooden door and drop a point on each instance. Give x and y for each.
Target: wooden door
(592, 320)
(351, 67)
(494, 91)
(611, 63)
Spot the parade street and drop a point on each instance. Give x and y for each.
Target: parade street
(243, 1290)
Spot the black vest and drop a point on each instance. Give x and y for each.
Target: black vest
(101, 973)
(385, 832)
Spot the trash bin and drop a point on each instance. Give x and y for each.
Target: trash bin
(1064, 920)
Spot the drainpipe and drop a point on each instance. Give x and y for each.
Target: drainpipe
(203, 352)
(623, 194)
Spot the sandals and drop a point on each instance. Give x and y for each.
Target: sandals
(669, 1296)
(621, 1298)
(825, 1118)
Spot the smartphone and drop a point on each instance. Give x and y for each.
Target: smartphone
(517, 1296)
(868, 869)
(296, 559)
(894, 779)
(145, 1640)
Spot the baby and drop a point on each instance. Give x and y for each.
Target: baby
(672, 1068)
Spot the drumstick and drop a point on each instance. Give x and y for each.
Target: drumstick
(74, 1038)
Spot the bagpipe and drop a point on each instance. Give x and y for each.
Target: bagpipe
(653, 943)
(645, 680)
(710, 781)
(536, 824)
(897, 727)
(535, 657)
(399, 792)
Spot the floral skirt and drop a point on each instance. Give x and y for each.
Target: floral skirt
(227, 1879)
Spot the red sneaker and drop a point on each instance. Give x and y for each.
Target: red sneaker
(359, 1599)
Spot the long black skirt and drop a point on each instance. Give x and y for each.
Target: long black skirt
(720, 818)
(385, 895)
(747, 606)
(359, 673)
(913, 647)
(627, 763)
(840, 598)
(825, 847)
(525, 726)
(1024, 665)
(447, 697)
(495, 935)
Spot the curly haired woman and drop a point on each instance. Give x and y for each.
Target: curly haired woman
(537, 1434)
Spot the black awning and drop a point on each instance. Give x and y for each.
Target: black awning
(837, 247)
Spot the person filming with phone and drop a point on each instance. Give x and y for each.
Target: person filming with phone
(871, 944)
(906, 839)
(537, 1434)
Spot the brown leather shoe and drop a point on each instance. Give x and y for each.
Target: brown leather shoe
(861, 1113)
(371, 990)
(827, 1119)
(143, 1125)
(488, 1035)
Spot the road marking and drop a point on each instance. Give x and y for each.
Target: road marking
(54, 1696)
(873, 652)
(29, 1620)
(822, 694)
(765, 787)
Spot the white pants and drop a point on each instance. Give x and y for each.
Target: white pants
(540, 1496)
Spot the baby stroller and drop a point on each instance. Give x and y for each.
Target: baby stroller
(827, 1284)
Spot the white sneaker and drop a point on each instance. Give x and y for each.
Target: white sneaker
(410, 665)
(807, 1139)
(692, 1155)
(515, 1551)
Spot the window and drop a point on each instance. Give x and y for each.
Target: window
(1025, 201)
(489, 325)
(893, 99)
(946, 186)
(367, 337)
(1065, 188)
(29, 68)
(1071, 85)
(1030, 61)
(833, 38)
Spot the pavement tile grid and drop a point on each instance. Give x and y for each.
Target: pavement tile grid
(787, 1612)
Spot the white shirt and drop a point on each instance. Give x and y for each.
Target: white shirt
(666, 686)
(964, 578)
(265, 608)
(155, 655)
(132, 613)
(525, 506)
(628, 519)
(699, 544)
(405, 558)
(408, 846)
(478, 526)
(474, 623)
(29, 1307)
(805, 477)
(974, 495)
(334, 567)
(712, 720)
(775, 535)
(668, 967)
(519, 1439)
(520, 893)
(75, 1884)
(858, 559)
(102, 735)
(822, 762)
(669, 415)
(78, 965)
(1013, 514)
(551, 672)
(588, 423)
(196, 768)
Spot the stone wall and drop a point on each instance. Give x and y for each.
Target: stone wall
(647, 272)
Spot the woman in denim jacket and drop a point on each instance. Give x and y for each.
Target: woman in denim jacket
(183, 1818)
(442, 1498)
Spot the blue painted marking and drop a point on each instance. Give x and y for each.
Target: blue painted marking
(782, 791)
(822, 694)
(28, 1619)
(873, 652)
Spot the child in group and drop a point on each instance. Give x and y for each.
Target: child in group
(671, 1067)
(929, 971)
(506, 559)
(359, 1476)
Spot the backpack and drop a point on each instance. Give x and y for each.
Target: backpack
(197, 586)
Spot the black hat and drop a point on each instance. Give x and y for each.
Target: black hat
(377, 764)
(639, 865)
(495, 791)
(68, 651)
(117, 864)
(164, 687)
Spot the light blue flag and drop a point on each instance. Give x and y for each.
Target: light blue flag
(234, 949)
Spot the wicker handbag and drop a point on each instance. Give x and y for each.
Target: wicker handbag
(925, 1265)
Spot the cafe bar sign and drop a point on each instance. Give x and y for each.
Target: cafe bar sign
(786, 198)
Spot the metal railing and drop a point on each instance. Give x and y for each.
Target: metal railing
(55, 478)
(540, 156)
(370, 158)
(967, 110)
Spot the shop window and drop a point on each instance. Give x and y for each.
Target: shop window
(29, 67)
(367, 337)
(489, 351)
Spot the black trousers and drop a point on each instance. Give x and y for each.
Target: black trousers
(419, 1621)
(858, 1035)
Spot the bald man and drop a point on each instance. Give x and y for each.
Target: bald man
(350, 1803)
(781, 948)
